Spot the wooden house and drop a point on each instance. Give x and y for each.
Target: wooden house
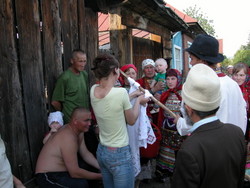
(182, 40)
(37, 38)
(145, 29)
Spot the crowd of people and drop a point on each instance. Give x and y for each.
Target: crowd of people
(190, 148)
(107, 135)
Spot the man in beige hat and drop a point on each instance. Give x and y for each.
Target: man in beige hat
(205, 50)
(214, 154)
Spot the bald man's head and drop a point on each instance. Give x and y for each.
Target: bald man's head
(79, 112)
(80, 119)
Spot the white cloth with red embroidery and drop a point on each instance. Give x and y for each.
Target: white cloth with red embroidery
(141, 133)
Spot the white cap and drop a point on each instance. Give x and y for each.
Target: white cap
(201, 91)
(147, 62)
(56, 116)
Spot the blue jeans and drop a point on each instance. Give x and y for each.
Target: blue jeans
(116, 166)
(59, 179)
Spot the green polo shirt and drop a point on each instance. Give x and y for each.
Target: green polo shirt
(72, 91)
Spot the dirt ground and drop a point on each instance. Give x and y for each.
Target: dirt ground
(153, 183)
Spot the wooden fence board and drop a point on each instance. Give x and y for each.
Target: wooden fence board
(28, 22)
(70, 35)
(120, 38)
(145, 49)
(91, 40)
(12, 126)
(52, 48)
(82, 23)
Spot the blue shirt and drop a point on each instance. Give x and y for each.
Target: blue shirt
(202, 122)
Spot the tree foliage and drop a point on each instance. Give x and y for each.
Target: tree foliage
(202, 19)
(243, 54)
(226, 62)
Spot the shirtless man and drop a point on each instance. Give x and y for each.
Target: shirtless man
(57, 164)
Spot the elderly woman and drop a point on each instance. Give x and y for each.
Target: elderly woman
(131, 71)
(148, 68)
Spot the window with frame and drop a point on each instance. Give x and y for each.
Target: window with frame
(178, 58)
(189, 59)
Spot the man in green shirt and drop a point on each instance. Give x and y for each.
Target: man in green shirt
(71, 88)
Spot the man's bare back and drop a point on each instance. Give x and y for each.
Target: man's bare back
(59, 154)
(50, 158)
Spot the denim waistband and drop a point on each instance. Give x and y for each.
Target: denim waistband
(114, 149)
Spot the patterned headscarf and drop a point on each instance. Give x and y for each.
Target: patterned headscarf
(165, 95)
(147, 62)
(177, 74)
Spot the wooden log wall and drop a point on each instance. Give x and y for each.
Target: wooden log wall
(91, 35)
(37, 38)
(13, 128)
(145, 49)
(120, 38)
(31, 78)
(134, 20)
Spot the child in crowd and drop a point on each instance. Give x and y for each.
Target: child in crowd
(55, 122)
(161, 68)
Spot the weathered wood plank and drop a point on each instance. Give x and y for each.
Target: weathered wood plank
(120, 38)
(137, 21)
(144, 49)
(167, 44)
(91, 40)
(70, 35)
(31, 68)
(12, 126)
(82, 24)
(52, 48)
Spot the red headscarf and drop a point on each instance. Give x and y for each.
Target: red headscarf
(165, 95)
(124, 68)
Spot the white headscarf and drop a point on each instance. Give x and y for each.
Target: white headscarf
(147, 62)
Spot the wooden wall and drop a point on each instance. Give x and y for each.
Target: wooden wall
(145, 49)
(185, 41)
(37, 37)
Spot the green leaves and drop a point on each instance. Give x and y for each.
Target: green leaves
(196, 13)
